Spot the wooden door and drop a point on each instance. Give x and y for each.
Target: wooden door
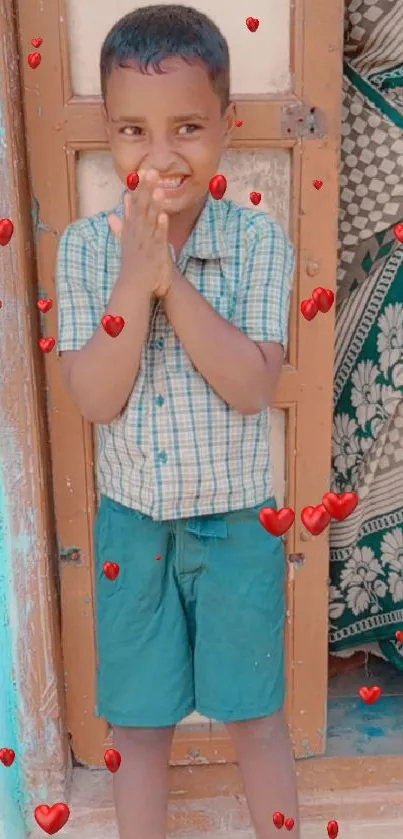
(286, 83)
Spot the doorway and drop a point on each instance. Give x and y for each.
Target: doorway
(366, 550)
(288, 139)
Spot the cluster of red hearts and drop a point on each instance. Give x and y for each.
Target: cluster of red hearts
(35, 58)
(315, 519)
(279, 821)
(45, 344)
(52, 819)
(321, 300)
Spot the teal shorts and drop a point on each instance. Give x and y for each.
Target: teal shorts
(200, 629)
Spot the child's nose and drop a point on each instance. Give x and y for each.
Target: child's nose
(161, 156)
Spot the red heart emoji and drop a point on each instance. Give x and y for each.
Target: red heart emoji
(398, 231)
(315, 519)
(7, 756)
(323, 298)
(238, 123)
(217, 186)
(46, 344)
(252, 23)
(370, 695)
(113, 325)
(317, 183)
(6, 230)
(278, 820)
(332, 829)
(255, 198)
(112, 759)
(289, 824)
(44, 305)
(37, 42)
(111, 570)
(399, 636)
(276, 522)
(52, 819)
(340, 506)
(34, 60)
(132, 180)
(309, 309)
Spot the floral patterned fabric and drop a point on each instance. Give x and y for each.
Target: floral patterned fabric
(366, 550)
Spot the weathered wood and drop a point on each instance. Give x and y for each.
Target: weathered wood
(26, 537)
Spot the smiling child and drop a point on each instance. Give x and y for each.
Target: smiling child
(180, 401)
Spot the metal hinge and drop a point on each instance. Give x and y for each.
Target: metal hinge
(70, 555)
(300, 119)
(296, 560)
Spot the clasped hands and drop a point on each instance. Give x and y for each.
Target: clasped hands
(143, 234)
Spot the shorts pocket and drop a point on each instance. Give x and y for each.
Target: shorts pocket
(105, 551)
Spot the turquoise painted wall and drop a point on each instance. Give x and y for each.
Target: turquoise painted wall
(12, 824)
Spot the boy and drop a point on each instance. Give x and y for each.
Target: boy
(194, 619)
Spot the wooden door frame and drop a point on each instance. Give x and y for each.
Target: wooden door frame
(53, 109)
(36, 721)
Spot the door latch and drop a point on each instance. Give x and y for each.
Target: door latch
(300, 119)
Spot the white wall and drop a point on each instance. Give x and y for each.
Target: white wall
(260, 60)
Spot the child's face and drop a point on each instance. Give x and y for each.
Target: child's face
(171, 122)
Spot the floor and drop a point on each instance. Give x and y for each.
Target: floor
(354, 729)
(92, 815)
(357, 729)
(309, 831)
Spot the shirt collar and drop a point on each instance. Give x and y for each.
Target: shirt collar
(207, 239)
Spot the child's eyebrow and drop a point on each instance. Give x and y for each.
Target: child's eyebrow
(180, 118)
(189, 117)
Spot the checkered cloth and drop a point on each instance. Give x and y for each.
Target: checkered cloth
(371, 187)
(178, 450)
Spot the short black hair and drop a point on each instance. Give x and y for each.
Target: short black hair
(151, 34)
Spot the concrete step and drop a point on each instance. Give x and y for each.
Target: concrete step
(220, 813)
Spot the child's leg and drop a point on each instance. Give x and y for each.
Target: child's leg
(266, 764)
(140, 785)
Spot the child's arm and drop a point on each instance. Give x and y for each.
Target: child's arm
(101, 371)
(241, 361)
(101, 375)
(238, 370)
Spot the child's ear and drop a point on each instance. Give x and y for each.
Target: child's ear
(229, 119)
(105, 117)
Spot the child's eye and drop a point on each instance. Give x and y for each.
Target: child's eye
(131, 131)
(189, 128)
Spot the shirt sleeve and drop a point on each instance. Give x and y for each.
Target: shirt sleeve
(263, 303)
(76, 287)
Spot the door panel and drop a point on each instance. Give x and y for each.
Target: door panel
(280, 149)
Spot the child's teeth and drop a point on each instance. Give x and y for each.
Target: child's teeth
(170, 184)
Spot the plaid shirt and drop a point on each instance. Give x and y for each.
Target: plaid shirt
(178, 450)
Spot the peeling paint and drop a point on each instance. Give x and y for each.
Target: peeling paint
(29, 713)
(11, 796)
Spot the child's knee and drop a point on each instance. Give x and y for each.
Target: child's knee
(262, 728)
(142, 737)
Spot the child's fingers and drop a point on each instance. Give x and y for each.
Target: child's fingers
(154, 208)
(161, 233)
(144, 193)
(115, 225)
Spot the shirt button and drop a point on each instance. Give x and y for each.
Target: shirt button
(159, 343)
(162, 457)
(159, 400)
